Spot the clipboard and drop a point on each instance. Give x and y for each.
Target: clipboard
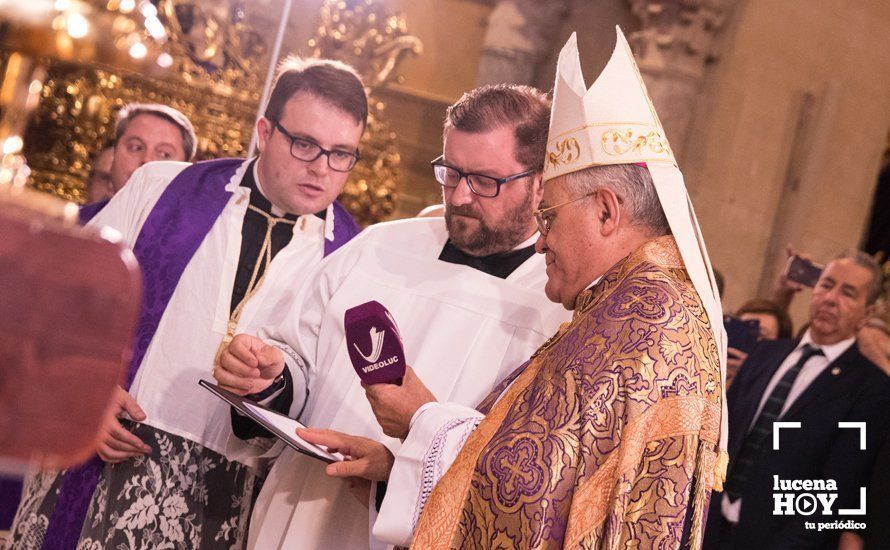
(283, 427)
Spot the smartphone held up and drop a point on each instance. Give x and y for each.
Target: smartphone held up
(803, 271)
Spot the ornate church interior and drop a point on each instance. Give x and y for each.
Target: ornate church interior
(770, 129)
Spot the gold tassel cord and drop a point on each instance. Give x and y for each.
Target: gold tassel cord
(720, 469)
(254, 285)
(700, 498)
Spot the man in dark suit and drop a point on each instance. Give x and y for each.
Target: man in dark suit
(817, 381)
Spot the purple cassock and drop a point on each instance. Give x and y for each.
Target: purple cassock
(173, 231)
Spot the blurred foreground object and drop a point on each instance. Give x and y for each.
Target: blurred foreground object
(69, 301)
(205, 59)
(123, 34)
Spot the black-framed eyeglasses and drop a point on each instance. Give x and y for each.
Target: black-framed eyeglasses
(479, 184)
(307, 150)
(544, 217)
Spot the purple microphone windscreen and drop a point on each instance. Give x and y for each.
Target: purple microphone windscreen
(374, 343)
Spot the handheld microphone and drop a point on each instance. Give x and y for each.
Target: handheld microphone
(374, 344)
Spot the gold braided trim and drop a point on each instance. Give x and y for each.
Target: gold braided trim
(640, 123)
(670, 417)
(553, 173)
(263, 258)
(441, 515)
(606, 145)
(706, 459)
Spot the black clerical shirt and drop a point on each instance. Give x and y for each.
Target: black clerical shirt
(253, 233)
(499, 265)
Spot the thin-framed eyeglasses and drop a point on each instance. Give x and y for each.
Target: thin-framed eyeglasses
(307, 150)
(545, 220)
(479, 184)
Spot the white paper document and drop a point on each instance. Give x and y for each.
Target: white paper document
(289, 427)
(281, 426)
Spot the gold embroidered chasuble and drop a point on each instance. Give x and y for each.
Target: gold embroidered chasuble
(609, 437)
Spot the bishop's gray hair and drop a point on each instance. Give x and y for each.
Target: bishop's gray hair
(634, 187)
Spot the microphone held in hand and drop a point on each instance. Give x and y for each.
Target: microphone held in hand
(374, 344)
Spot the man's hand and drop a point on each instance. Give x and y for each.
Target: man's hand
(248, 365)
(366, 458)
(394, 406)
(116, 443)
(785, 288)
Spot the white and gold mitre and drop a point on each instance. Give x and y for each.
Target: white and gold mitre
(613, 122)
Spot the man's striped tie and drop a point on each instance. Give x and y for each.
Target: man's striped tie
(759, 436)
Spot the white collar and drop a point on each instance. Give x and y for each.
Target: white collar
(595, 281)
(527, 242)
(259, 187)
(234, 186)
(328, 222)
(310, 218)
(831, 351)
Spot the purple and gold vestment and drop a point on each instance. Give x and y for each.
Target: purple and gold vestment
(609, 437)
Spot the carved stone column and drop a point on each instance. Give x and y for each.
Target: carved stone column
(674, 45)
(519, 37)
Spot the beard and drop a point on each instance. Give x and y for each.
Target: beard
(488, 237)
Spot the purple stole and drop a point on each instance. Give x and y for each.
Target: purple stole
(173, 231)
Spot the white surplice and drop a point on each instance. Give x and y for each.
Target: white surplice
(194, 323)
(437, 434)
(462, 330)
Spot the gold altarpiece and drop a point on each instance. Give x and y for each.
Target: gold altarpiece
(219, 65)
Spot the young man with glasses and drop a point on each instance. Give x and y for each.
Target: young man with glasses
(465, 292)
(221, 245)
